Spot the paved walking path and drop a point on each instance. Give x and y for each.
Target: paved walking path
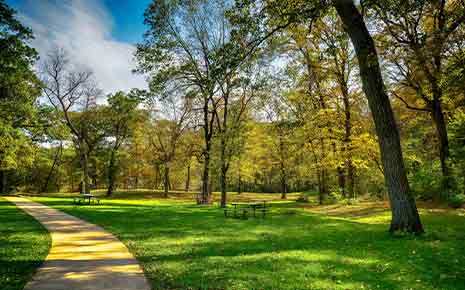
(83, 256)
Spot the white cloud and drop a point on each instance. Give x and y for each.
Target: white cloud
(83, 28)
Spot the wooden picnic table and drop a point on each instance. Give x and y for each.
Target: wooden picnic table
(84, 196)
(253, 205)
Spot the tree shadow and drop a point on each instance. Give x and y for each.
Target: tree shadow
(185, 246)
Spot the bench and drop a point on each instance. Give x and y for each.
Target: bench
(242, 209)
(83, 198)
(262, 207)
(243, 212)
(265, 209)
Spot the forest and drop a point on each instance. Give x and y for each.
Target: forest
(265, 144)
(267, 96)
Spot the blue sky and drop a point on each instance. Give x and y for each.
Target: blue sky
(127, 16)
(98, 34)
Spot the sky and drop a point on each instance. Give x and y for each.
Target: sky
(98, 34)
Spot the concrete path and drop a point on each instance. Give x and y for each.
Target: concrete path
(83, 256)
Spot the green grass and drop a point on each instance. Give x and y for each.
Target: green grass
(24, 243)
(185, 246)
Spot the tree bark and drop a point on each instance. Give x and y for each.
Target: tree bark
(341, 181)
(323, 174)
(224, 171)
(111, 173)
(157, 176)
(166, 181)
(50, 173)
(282, 168)
(72, 181)
(320, 188)
(347, 141)
(204, 197)
(85, 166)
(188, 179)
(239, 184)
(3, 182)
(350, 179)
(441, 132)
(405, 215)
(283, 188)
(205, 194)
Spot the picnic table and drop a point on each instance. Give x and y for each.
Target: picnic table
(244, 207)
(83, 197)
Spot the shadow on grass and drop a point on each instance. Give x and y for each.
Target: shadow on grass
(24, 243)
(183, 246)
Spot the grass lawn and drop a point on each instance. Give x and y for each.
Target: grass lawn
(185, 246)
(24, 243)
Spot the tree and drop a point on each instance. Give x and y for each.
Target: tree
(405, 215)
(341, 67)
(272, 17)
(181, 50)
(19, 89)
(70, 90)
(170, 122)
(121, 113)
(420, 39)
(242, 84)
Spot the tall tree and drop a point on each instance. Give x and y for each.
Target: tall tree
(70, 90)
(242, 84)
(19, 89)
(271, 16)
(181, 50)
(341, 67)
(170, 122)
(405, 215)
(121, 113)
(420, 39)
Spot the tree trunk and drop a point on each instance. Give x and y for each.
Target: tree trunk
(85, 167)
(224, 166)
(320, 188)
(72, 181)
(341, 179)
(441, 131)
(157, 176)
(348, 140)
(50, 173)
(323, 174)
(350, 179)
(188, 179)
(323, 185)
(283, 181)
(3, 182)
(224, 171)
(283, 188)
(111, 173)
(405, 215)
(86, 175)
(205, 195)
(166, 181)
(239, 184)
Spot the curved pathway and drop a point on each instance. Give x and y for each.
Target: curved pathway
(83, 256)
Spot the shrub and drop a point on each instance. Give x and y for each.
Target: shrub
(457, 201)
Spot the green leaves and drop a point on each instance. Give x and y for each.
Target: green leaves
(19, 89)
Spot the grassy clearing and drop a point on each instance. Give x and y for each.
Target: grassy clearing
(184, 246)
(24, 243)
